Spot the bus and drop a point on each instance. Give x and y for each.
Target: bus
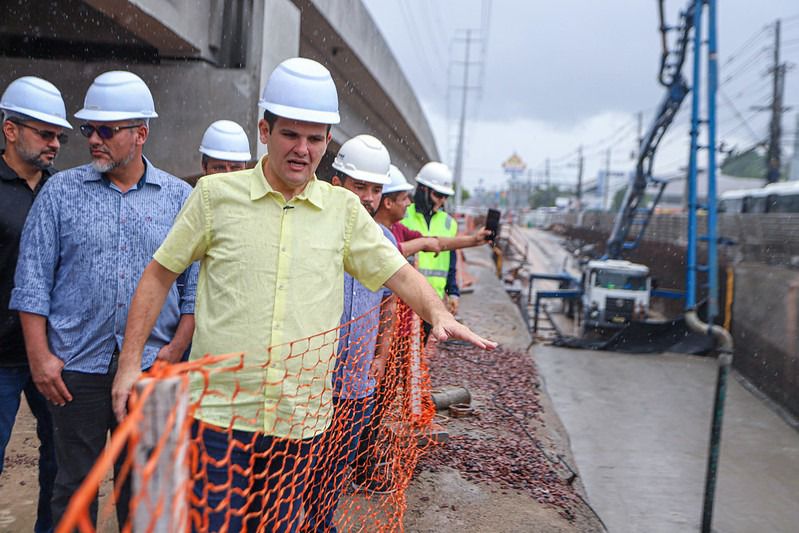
(781, 197)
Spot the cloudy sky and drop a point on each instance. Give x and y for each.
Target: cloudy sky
(560, 74)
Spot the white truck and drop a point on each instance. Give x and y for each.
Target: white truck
(615, 292)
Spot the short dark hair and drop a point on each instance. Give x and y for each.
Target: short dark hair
(392, 196)
(205, 161)
(271, 118)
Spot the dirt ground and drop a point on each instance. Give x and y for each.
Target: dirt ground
(19, 487)
(440, 499)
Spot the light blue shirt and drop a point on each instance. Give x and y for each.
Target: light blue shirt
(358, 338)
(84, 247)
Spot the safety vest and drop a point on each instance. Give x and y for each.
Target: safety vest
(433, 267)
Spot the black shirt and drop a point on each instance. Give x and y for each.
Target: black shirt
(16, 199)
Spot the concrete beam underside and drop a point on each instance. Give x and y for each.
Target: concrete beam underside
(176, 28)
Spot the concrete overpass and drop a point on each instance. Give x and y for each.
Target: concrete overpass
(208, 59)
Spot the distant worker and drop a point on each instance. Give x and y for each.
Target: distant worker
(392, 209)
(427, 216)
(225, 148)
(34, 118)
(362, 167)
(88, 237)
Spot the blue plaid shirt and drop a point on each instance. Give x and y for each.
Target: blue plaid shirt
(358, 340)
(84, 247)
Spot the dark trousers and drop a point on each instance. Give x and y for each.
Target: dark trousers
(81, 429)
(337, 449)
(247, 481)
(368, 455)
(13, 383)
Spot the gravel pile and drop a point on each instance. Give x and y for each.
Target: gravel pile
(498, 444)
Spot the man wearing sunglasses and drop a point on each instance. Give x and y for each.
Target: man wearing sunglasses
(34, 117)
(89, 235)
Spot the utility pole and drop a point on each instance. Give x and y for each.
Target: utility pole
(795, 161)
(606, 186)
(775, 129)
(640, 134)
(546, 173)
(579, 178)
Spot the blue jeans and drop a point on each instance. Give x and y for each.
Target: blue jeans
(336, 450)
(247, 481)
(13, 383)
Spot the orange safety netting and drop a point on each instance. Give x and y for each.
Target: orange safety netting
(188, 472)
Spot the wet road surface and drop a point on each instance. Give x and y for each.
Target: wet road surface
(639, 428)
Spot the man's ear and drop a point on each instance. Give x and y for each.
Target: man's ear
(263, 131)
(336, 181)
(143, 132)
(10, 131)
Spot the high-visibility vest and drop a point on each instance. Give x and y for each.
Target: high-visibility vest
(433, 267)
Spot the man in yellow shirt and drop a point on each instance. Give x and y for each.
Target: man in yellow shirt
(273, 243)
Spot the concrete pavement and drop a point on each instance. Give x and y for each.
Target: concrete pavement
(639, 429)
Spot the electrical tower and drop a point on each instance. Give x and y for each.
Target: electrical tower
(465, 80)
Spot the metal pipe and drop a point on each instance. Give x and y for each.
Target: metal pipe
(725, 350)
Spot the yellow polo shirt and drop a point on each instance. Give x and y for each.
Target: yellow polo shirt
(271, 286)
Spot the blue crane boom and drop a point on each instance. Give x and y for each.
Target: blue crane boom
(633, 212)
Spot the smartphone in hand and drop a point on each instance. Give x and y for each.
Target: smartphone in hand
(492, 224)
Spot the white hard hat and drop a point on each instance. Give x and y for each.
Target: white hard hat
(364, 158)
(437, 176)
(117, 95)
(398, 181)
(35, 98)
(226, 140)
(301, 89)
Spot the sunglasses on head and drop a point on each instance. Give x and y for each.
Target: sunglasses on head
(105, 132)
(45, 135)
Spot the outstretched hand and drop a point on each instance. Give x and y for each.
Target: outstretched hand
(449, 328)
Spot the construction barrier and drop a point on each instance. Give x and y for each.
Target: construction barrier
(194, 463)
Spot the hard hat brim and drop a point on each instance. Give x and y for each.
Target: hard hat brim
(304, 115)
(112, 116)
(438, 188)
(371, 177)
(226, 156)
(399, 188)
(38, 115)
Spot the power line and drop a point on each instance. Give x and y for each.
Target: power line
(741, 124)
(743, 121)
(406, 14)
(745, 66)
(441, 42)
(746, 46)
(762, 83)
